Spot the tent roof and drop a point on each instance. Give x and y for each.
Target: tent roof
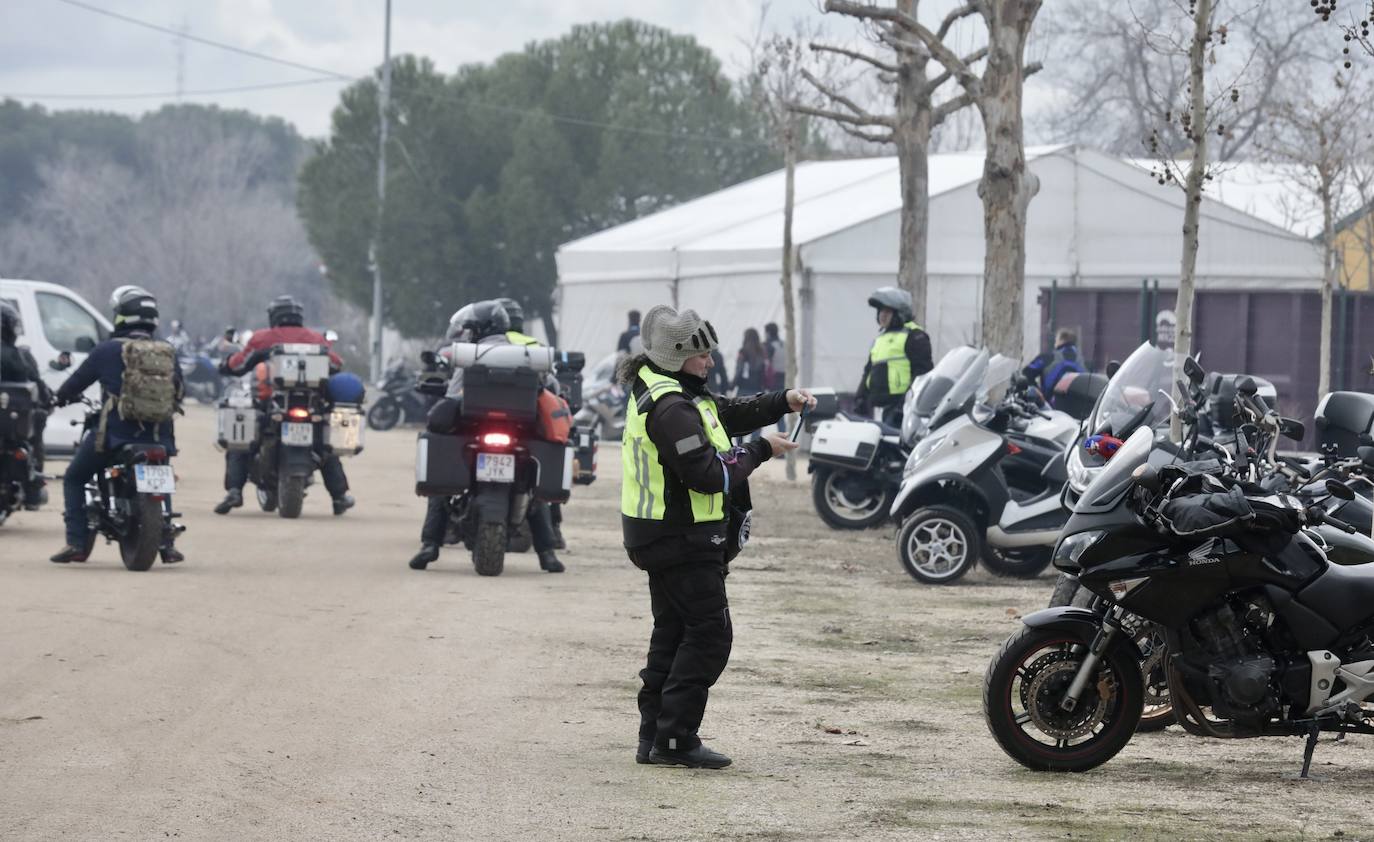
(831, 196)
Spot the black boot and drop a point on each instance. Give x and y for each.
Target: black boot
(343, 503)
(549, 562)
(642, 753)
(232, 500)
(700, 757)
(171, 555)
(558, 542)
(68, 554)
(428, 554)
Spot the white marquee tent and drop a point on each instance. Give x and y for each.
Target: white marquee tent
(1097, 222)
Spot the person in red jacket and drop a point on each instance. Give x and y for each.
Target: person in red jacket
(285, 318)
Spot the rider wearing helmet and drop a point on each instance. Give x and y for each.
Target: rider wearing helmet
(135, 315)
(516, 313)
(483, 323)
(285, 318)
(900, 352)
(17, 365)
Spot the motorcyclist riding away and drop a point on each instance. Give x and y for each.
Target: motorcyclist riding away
(485, 323)
(286, 319)
(135, 316)
(17, 365)
(900, 352)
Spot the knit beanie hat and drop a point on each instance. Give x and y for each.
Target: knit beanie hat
(671, 338)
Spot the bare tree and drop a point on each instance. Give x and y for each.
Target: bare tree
(903, 69)
(1116, 94)
(1324, 134)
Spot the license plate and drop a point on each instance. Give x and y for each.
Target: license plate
(297, 435)
(495, 467)
(154, 479)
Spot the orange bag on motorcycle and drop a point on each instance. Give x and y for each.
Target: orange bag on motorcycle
(263, 378)
(555, 418)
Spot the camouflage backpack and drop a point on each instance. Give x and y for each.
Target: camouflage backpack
(148, 393)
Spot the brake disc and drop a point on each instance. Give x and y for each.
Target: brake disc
(1047, 687)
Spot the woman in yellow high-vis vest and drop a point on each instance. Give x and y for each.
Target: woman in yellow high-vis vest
(684, 512)
(900, 352)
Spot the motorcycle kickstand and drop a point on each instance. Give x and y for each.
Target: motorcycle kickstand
(1308, 750)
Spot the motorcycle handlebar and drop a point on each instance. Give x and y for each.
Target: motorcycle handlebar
(1316, 513)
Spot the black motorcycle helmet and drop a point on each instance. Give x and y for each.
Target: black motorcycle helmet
(514, 311)
(892, 298)
(9, 323)
(478, 321)
(134, 307)
(284, 310)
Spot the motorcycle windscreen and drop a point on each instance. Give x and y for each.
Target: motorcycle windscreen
(1140, 385)
(1107, 487)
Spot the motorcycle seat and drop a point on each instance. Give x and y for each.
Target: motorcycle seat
(1342, 595)
(137, 452)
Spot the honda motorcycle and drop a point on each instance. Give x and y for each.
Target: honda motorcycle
(1265, 636)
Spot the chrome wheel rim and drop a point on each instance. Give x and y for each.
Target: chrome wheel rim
(937, 547)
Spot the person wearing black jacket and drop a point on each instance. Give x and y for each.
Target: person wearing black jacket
(900, 352)
(684, 513)
(17, 365)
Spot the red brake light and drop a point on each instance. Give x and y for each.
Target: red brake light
(299, 413)
(1012, 449)
(496, 439)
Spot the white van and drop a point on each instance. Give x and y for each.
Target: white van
(54, 319)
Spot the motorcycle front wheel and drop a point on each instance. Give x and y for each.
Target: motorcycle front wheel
(1025, 684)
(383, 415)
(938, 544)
(142, 536)
(849, 499)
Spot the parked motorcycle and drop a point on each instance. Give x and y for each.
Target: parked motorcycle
(128, 502)
(398, 402)
(200, 376)
(1265, 636)
(603, 401)
(983, 485)
(490, 462)
(18, 403)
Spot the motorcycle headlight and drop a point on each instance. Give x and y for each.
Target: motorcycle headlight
(1080, 475)
(1071, 547)
(920, 453)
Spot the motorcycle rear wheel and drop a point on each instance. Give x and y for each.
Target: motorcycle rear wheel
(383, 415)
(1024, 563)
(142, 536)
(489, 552)
(840, 510)
(290, 496)
(1022, 689)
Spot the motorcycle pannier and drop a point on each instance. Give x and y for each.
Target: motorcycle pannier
(1342, 418)
(555, 465)
(297, 364)
(238, 427)
(345, 431)
(555, 418)
(441, 466)
(17, 401)
(507, 393)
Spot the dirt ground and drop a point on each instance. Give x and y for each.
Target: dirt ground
(294, 680)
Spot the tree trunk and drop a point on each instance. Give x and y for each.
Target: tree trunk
(1328, 280)
(1192, 211)
(911, 134)
(789, 313)
(1007, 186)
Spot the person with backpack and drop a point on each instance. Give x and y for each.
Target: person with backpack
(141, 391)
(286, 320)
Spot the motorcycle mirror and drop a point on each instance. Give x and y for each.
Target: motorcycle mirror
(1366, 454)
(1194, 371)
(1292, 428)
(428, 357)
(1339, 490)
(62, 363)
(84, 344)
(1113, 366)
(1247, 387)
(1147, 477)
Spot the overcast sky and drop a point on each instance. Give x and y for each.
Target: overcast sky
(50, 48)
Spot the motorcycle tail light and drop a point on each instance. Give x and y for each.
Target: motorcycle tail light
(496, 439)
(21, 455)
(155, 454)
(1012, 449)
(298, 413)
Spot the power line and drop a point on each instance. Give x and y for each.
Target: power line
(507, 109)
(206, 41)
(176, 94)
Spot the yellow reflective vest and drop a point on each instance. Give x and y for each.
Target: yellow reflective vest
(646, 487)
(888, 354)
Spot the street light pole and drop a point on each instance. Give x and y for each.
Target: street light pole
(374, 250)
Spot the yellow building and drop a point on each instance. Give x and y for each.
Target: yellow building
(1355, 249)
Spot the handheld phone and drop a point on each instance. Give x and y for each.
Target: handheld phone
(797, 428)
